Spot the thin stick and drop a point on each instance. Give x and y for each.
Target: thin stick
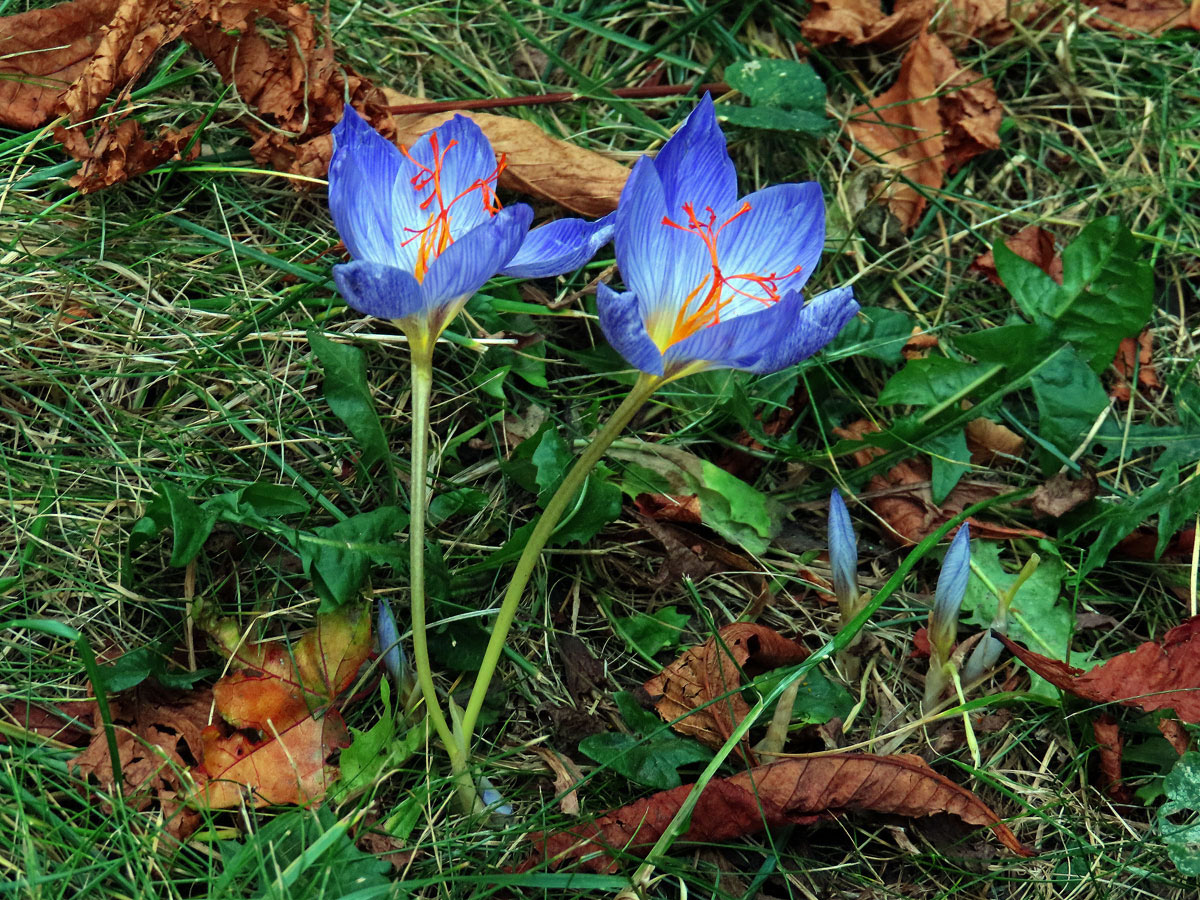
(645, 92)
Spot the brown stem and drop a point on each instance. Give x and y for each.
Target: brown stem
(637, 93)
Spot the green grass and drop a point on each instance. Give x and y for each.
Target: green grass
(156, 332)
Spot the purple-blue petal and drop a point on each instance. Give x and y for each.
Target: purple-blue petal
(621, 322)
(560, 246)
(467, 160)
(771, 339)
(782, 232)
(472, 259)
(695, 168)
(951, 588)
(843, 551)
(362, 171)
(658, 263)
(380, 290)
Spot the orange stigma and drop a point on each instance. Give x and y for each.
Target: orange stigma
(436, 236)
(704, 304)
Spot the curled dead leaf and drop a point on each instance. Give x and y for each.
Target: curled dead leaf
(931, 121)
(789, 792)
(991, 443)
(1153, 676)
(1111, 746)
(1062, 493)
(706, 680)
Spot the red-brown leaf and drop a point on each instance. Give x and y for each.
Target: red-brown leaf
(1153, 676)
(788, 792)
(711, 671)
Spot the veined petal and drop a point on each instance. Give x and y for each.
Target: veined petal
(455, 171)
(843, 552)
(362, 171)
(476, 256)
(771, 339)
(621, 322)
(695, 167)
(782, 234)
(380, 290)
(645, 248)
(560, 246)
(951, 588)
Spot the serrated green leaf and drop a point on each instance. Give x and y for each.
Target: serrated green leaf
(817, 698)
(465, 501)
(1178, 821)
(651, 756)
(338, 557)
(1069, 398)
(1108, 291)
(190, 525)
(929, 381)
(377, 748)
(349, 396)
(1036, 293)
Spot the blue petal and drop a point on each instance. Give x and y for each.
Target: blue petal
(658, 263)
(390, 647)
(471, 260)
(783, 229)
(361, 173)
(560, 246)
(772, 339)
(951, 588)
(467, 161)
(380, 290)
(695, 167)
(843, 551)
(621, 322)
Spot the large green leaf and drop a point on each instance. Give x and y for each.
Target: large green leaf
(1069, 398)
(338, 557)
(929, 381)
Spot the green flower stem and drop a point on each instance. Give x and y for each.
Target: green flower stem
(421, 346)
(645, 386)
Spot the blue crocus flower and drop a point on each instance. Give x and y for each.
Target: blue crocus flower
(948, 598)
(714, 281)
(425, 229)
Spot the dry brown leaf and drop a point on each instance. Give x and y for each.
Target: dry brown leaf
(683, 508)
(1143, 544)
(289, 766)
(566, 777)
(713, 670)
(931, 121)
(919, 345)
(1111, 745)
(864, 22)
(1062, 493)
(1135, 355)
(574, 177)
(991, 443)
(788, 792)
(68, 60)
(1177, 736)
(50, 720)
(1153, 676)
(904, 501)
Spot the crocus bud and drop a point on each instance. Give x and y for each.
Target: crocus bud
(843, 556)
(389, 643)
(951, 588)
